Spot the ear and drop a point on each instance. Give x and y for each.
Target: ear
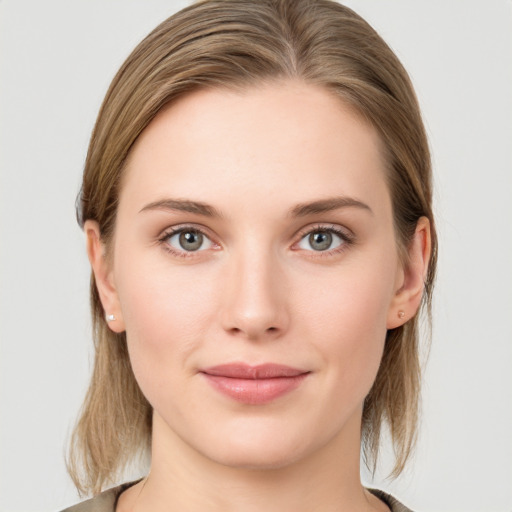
(411, 278)
(103, 276)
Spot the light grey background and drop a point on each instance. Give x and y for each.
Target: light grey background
(57, 59)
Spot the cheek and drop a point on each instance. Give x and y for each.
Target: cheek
(353, 299)
(166, 311)
(347, 316)
(337, 319)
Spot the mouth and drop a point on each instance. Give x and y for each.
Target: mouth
(254, 385)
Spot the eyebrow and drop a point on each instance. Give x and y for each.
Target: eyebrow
(183, 205)
(300, 210)
(327, 205)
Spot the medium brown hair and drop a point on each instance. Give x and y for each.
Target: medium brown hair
(239, 43)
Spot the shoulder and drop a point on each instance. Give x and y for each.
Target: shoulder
(107, 500)
(393, 504)
(104, 502)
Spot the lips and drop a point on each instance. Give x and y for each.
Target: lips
(254, 385)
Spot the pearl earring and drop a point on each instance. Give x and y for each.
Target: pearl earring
(401, 314)
(111, 318)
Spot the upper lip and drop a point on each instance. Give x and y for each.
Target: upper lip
(246, 371)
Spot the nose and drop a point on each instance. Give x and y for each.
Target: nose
(255, 297)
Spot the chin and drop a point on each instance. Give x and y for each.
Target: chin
(256, 460)
(260, 450)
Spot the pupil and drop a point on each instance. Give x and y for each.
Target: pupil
(191, 240)
(321, 240)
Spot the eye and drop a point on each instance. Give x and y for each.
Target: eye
(322, 240)
(188, 240)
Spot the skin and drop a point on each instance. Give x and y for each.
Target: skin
(256, 291)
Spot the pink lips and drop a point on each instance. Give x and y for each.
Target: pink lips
(254, 384)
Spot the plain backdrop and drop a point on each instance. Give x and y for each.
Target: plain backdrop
(57, 58)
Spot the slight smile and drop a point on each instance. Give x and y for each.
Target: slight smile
(254, 385)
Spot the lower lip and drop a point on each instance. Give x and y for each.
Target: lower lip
(255, 391)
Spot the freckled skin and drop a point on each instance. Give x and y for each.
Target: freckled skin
(256, 291)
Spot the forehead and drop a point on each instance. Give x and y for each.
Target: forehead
(286, 141)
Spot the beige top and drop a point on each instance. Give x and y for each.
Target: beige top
(107, 501)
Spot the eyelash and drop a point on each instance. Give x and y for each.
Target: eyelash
(180, 229)
(348, 240)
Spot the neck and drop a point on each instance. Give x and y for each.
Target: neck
(181, 478)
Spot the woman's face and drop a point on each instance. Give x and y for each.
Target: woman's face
(255, 270)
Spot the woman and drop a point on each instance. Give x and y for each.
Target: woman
(257, 206)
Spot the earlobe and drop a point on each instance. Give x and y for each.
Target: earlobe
(407, 298)
(103, 276)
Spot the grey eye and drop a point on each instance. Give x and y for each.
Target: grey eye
(189, 240)
(320, 241)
